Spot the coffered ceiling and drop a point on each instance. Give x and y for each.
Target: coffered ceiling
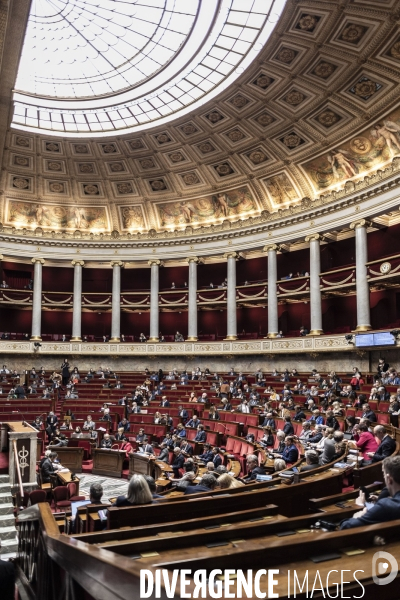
(317, 108)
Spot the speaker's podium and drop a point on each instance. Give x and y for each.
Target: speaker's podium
(140, 464)
(20, 439)
(108, 462)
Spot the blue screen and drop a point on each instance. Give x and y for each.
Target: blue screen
(365, 339)
(384, 339)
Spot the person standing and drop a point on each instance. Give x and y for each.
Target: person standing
(65, 372)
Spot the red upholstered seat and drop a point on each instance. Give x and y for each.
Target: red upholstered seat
(37, 496)
(72, 492)
(60, 496)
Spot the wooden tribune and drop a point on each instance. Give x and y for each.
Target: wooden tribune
(141, 464)
(108, 462)
(70, 458)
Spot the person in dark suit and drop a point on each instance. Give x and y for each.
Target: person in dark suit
(193, 422)
(106, 442)
(269, 421)
(207, 455)
(183, 413)
(206, 484)
(288, 428)
(368, 414)
(164, 454)
(387, 445)
(48, 468)
(217, 458)
(164, 401)
(290, 453)
(138, 493)
(201, 435)
(299, 415)
(312, 460)
(383, 367)
(124, 424)
(20, 392)
(385, 509)
(51, 424)
(253, 468)
(7, 580)
(186, 448)
(178, 462)
(65, 372)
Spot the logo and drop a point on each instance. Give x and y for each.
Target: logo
(381, 562)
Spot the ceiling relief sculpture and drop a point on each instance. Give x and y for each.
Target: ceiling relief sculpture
(317, 107)
(234, 203)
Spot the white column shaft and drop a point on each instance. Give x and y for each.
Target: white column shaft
(37, 301)
(315, 287)
(272, 294)
(231, 299)
(77, 302)
(116, 303)
(362, 285)
(192, 307)
(154, 289)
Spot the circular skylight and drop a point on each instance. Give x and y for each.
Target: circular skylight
(102, 66)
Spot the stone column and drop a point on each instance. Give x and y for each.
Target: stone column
(315, 284)
(154, 287)
(362, 285)
(231, 330)
(116, 301)
(273, 329)
(192, 304)
(37, 300)
(77, 302)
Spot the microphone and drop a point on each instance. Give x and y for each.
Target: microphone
(24, 423)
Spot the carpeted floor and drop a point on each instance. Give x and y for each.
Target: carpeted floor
(112, 487)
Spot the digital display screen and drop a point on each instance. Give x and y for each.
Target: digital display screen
(383, 338)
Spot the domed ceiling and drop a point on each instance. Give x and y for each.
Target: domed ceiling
(318, 107)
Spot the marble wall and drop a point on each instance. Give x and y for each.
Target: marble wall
(324, 361)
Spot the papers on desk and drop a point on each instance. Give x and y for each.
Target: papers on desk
(63, 470)
(341, 465)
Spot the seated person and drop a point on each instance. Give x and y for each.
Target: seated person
(201, 435)
(89, 424)
(138, 493)
(312, 460)
(186, 448)
(193, 422)
(106, 442)
(253, 468)
(387, 445)
(164, 453)
(306, 432)
(279, 464)
(269, 421)
(385, 509)
(207, 484)
(290, 453)
(299, 415)
(177, 462)
(120, 435)
(124, 424)
(207, 455)
(146, 447)
(267, 439)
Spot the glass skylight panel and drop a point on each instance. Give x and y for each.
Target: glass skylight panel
(155, 58)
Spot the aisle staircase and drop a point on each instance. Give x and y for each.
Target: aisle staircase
(8, 532)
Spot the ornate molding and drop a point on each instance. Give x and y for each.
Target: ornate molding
(117, 263)
(359, 223)
(270, 248)
(78, 262)
(314, 237)
(37, 260)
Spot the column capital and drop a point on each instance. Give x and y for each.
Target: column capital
(270, 248)
(117, 263)
(155, 261)
(194, 259)
(314, 237)
(234, 255)
(359, 223)
(78, 262)
(38, 260)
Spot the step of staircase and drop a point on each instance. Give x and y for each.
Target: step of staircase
(8, 532)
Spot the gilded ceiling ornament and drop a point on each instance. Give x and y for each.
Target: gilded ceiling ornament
(190, 178)
(239, 101)
(353, 33)
(206, 147)
(257, 156)
(52, 147)
(157, 185)
(223, 169)
(147, 163)
(21, 161)
(327, 118)
(365, 88)
(109, 148)
(294, 97)
(91, 190)
(292, 140)
(214, 116)
(324, 69)
(117, 167)
(395, 50)
(176, 157)
(22, 141)
(265, 119)
(235, 135)
(189, 129)
(136, 144)
(286, 55)
(124, 188)
(307, 22)
(21, 183)
(86, 168)
(57, 187)
(54, 166)
(81, 149)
